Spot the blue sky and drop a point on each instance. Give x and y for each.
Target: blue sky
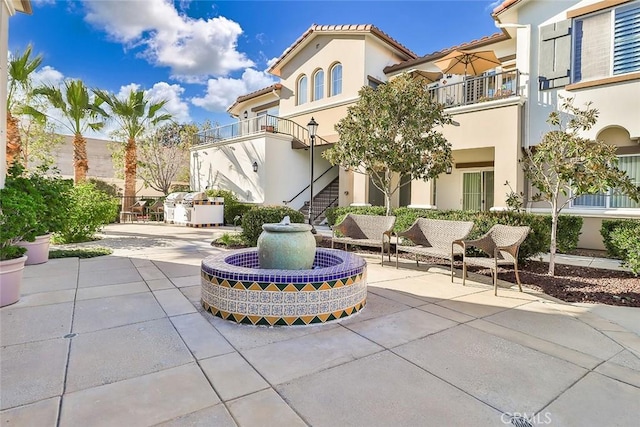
(201, 55)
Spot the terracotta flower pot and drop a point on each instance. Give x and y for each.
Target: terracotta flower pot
(38, 251)
(11, 280)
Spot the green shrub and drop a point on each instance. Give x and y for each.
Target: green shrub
(56, 193)
(18, 219)
(89, 210)
(79, 253)
(175, 188)
(253, 220)
(625, 239)
(105, 187)
(569, 227)
(230, 239)
(611, 225)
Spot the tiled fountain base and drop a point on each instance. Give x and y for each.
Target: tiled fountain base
(235, 288)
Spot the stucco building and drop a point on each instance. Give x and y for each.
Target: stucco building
(588, 50)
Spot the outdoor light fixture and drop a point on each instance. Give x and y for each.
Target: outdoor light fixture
(246, 114)
(255, 166)
(449, 169)
(312, 127)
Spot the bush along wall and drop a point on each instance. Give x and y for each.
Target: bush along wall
(612, 225)
(536, 243)
(620, 237)
(253, 220)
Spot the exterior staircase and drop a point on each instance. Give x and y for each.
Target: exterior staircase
(327, 198)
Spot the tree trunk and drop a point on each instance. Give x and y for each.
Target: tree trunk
(80, 160)
(554, 234)
(130, 166)
(14, 143)
(387, 203)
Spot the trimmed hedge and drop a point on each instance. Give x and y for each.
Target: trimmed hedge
(626, 241)
(253, 220)
(611, 225)
(621, 239)
(537, 242)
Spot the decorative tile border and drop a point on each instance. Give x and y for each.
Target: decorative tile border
(283, 297)
(206, 202)
(204, 225)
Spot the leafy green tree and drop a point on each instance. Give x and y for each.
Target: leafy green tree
(565, 165)
(39, 142)
(391, 131)
(21, 66)
(79, 113)
(135, 115)
(164, 156)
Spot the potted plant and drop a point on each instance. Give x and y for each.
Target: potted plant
(17, 221)
(54, 192)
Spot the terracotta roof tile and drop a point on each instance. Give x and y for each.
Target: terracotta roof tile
(255, 94)
(493, 38)
(506, 4)
(342, 28)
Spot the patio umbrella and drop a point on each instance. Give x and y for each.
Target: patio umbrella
(428, 76)
(467, 63)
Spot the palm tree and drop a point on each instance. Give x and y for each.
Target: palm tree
(79, 114)
(20, 68)
(134, 115)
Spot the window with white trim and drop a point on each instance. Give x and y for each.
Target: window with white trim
(318, 85)
(336, 79)
(611, 199)
(301, 95)
(607, 43)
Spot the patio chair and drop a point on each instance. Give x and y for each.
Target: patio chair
(137, 209)
(501, 243)
(156, 210)
(365, 230)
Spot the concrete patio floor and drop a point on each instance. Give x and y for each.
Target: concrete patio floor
(122, 341)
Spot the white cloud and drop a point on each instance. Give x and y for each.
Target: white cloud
(175, 106)
(272, 61)
(46, 75)
(172, 93)
(223, 91)
(194, 49)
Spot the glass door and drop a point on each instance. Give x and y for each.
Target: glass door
(477, 191)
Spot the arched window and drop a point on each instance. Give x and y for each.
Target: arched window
(336, 79)
(318, 85)
(301, 96)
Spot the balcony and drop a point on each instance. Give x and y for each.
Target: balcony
(258, 125)
(475, 90)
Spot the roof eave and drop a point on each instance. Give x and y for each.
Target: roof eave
(485, 41)
(23, 6)
(307, 36)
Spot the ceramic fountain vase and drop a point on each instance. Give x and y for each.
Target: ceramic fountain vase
(286, 247)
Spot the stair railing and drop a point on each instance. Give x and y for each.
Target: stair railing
(286, 202)
(334, 195)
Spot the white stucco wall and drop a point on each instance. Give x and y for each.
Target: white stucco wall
(229, 166)
(282, 171)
